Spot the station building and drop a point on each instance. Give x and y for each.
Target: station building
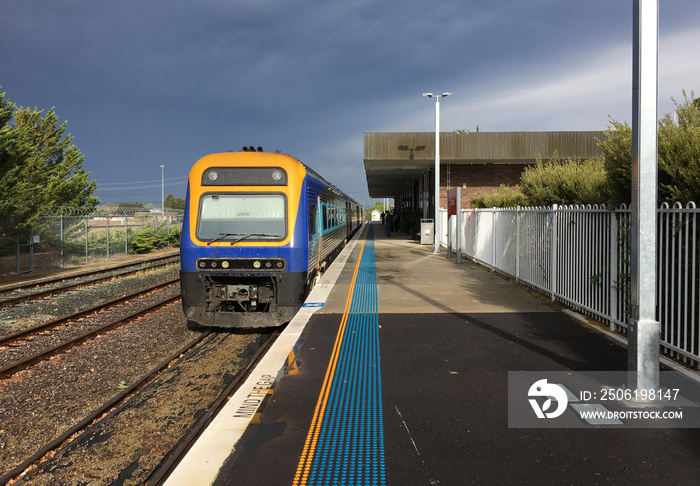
(401, 165)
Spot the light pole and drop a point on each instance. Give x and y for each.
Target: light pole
(436, 233)
(162, 189)
(644, 329)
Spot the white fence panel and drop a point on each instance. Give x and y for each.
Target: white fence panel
(468, 232)
(483, 241)
(678, 274)
(581, 256)
(505, 240)
(535, 252)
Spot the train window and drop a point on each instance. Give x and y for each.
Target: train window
(325, 217)
(231, 216)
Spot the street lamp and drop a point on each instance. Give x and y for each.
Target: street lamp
(162, 189)
(436, 233)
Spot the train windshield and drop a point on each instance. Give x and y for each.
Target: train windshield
(232, 216)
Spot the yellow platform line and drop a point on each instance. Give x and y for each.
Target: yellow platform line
(302, 474)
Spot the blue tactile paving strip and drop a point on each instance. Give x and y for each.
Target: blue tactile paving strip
(349, 448)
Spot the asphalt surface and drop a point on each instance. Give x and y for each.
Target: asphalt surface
(448, 336)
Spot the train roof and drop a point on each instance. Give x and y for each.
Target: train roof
(333, 186)
(306, 167)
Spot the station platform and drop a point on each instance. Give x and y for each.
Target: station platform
(396, 373)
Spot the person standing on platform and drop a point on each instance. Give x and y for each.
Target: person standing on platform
(389, 223)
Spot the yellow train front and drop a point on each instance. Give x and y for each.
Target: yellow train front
(258, 229)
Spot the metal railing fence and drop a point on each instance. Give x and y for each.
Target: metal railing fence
(581, 257)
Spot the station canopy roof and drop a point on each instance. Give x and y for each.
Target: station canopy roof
(393, 160)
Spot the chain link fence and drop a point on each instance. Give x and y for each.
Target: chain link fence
(66, 237)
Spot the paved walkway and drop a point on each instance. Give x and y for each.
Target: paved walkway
(447, 337)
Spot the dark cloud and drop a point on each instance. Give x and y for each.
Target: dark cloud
(149, 83)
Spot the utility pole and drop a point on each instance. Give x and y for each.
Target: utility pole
(162, 190)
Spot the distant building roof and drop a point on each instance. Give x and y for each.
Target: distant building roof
(394, 159)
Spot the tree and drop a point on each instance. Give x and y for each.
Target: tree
(6, 142)
(609, 179)
(379, 206)
(678, 155)
(173, 202)
(39, 167)
(6, 134)
(131, 205)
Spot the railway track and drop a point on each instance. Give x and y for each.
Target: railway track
(102, 410)
(177, 453)
(68, 384)
(31, 335)
(105, 419)
(45, 287)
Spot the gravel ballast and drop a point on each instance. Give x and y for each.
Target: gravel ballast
(39, 404)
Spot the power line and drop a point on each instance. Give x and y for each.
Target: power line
(151, 186)
(172, 180)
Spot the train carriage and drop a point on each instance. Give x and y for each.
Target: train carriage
(258, 230)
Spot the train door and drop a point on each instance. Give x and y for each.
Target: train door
(348, 221)
(319, 232)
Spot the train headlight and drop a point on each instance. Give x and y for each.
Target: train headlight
(276, 174)
(242, 264)
(212, 175)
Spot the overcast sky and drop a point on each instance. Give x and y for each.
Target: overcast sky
(145, 83)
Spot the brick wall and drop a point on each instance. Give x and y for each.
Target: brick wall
(478, 179)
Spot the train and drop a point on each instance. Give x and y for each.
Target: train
(259, 229)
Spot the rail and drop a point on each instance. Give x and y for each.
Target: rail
(105, 407)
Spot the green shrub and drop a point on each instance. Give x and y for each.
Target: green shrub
(506, 197)
(175, 236)
(147, 240)
(565, 182)
(553, 182)
(616, 148)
